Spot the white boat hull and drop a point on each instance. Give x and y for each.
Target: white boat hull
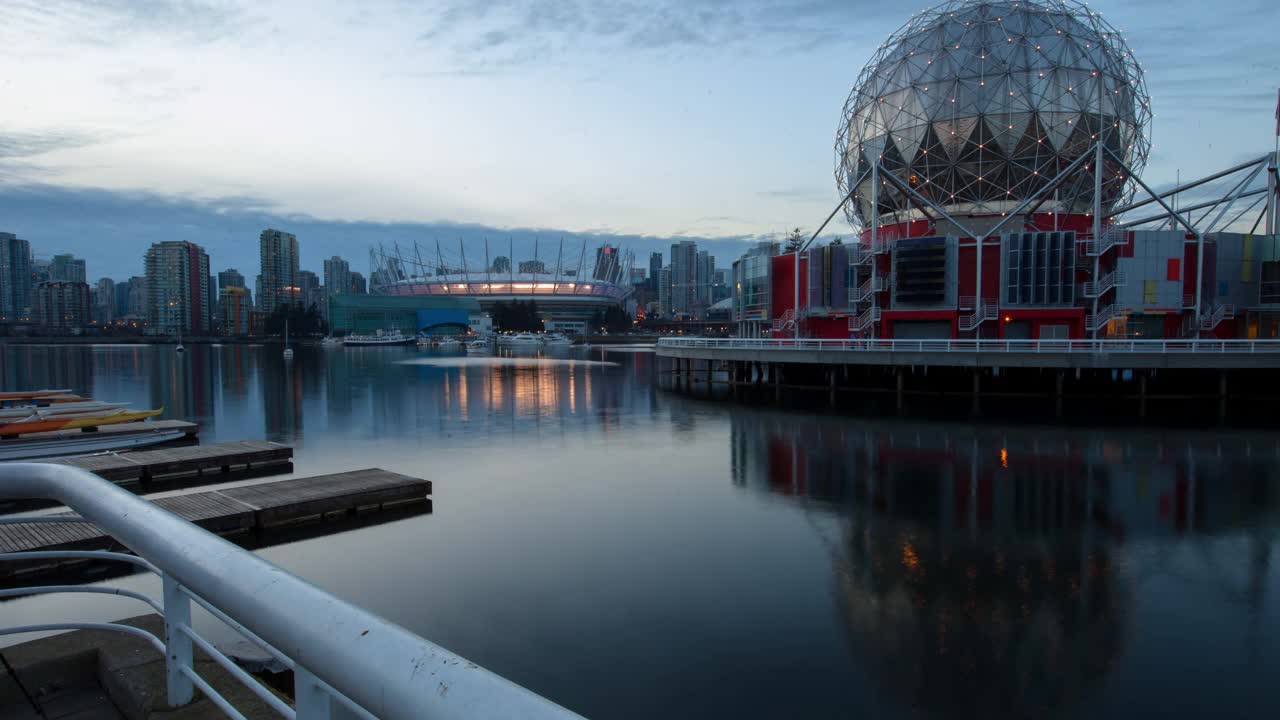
(28, 450)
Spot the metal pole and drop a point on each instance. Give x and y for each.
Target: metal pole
(1097, 219)
(795, 306)
(177, 644)
(1273, 189)
(875, 234)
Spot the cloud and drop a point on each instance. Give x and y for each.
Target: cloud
(547, 29)
(112, 230)
(116, 22)
(27, 145)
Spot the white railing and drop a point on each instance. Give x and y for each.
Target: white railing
(345, 660)
(1113, 279)
(1081, 346)
(1211, 320)
(1100, 320)
(787, 321)
(986, 310)
(863, 292)
(1111, 237)
(864, 320)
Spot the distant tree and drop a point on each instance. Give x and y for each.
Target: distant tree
(516, 316)
(501, 264)
(795, 240)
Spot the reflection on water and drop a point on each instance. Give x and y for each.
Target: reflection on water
(635, 553)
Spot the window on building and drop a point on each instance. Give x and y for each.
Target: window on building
(1269, 287)
(1149, 288)
(1040, 268)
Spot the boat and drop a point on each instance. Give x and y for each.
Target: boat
(481, 346)
(395, 337)
(448, 343)
(330, 341)
(556, 340)
(524, 340)
(180, 348)
(21, 411)
(86, 444)
(32, 394)
(40, 423)
(288, 351)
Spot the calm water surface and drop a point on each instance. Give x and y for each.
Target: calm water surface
(633, 553)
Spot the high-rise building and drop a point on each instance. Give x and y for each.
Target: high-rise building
(664, 291)
(122, 299)
(532, 266)
(608, 263)
(15, 277)
(684, 279)
(231, 277)
(307, 283)
(337, 276)
(236, 309)
(705, 278)
(278, 252)
(61, 305)
(178, 294)
(359, 286)
(637, 276)
(655, 267)
(104, 301)
(137, 303)
(67, 268)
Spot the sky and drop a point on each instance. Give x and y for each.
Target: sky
(126, 122)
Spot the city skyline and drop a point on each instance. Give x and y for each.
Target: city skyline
(165, 146)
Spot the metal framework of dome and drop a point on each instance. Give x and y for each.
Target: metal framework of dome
(977, 105)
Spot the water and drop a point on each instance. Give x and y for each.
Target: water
(633, 553)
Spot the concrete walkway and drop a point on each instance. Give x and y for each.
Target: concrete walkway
(102, 675)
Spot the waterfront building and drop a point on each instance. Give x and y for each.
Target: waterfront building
(67, 268)
(61, 305)
(410, 314)
(104, 301)
(563, 299)
(705, 273)
(179, 295)
(15, 277)
(237, 310)
(750, 289)
(1011, 208)
(359, 286)
(278, 283)
(655, 267)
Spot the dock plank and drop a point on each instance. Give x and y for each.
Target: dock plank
(237, 509)
(144, 465)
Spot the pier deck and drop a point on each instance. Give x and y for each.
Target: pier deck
(237, 509)
(142, 466)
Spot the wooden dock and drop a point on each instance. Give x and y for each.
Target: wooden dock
(235, 510)
(146, 465)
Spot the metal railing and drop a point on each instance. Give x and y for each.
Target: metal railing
(1114, 236)
(985, 310)
(1098, 321)
(1211, 320)
(863, 292)
(1082, 346)
(864, 320)
(1113, 279)
(787, 320)
(345, 660)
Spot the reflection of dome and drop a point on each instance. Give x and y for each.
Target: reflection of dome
(978, 104)
(970, 629)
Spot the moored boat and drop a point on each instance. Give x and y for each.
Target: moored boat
(18, 449)
(525, 340)
(69, 408)
(395, 337)
(556, 340)
(44, 423)
(481, 346)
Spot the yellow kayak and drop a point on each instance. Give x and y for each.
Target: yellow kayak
(45, 424)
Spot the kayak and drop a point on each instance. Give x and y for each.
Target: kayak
(24, 394)
(35, 424)
(23, 411)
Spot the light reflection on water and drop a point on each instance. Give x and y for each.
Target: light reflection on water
(634, 553)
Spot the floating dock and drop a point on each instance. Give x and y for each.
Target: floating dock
(235, 510)
(147, 465)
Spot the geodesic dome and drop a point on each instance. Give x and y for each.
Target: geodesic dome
(979, 104)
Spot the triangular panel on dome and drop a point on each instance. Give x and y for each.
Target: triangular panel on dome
(908, 140)
(1059, 126)
(954, 134)
(1011, 129)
